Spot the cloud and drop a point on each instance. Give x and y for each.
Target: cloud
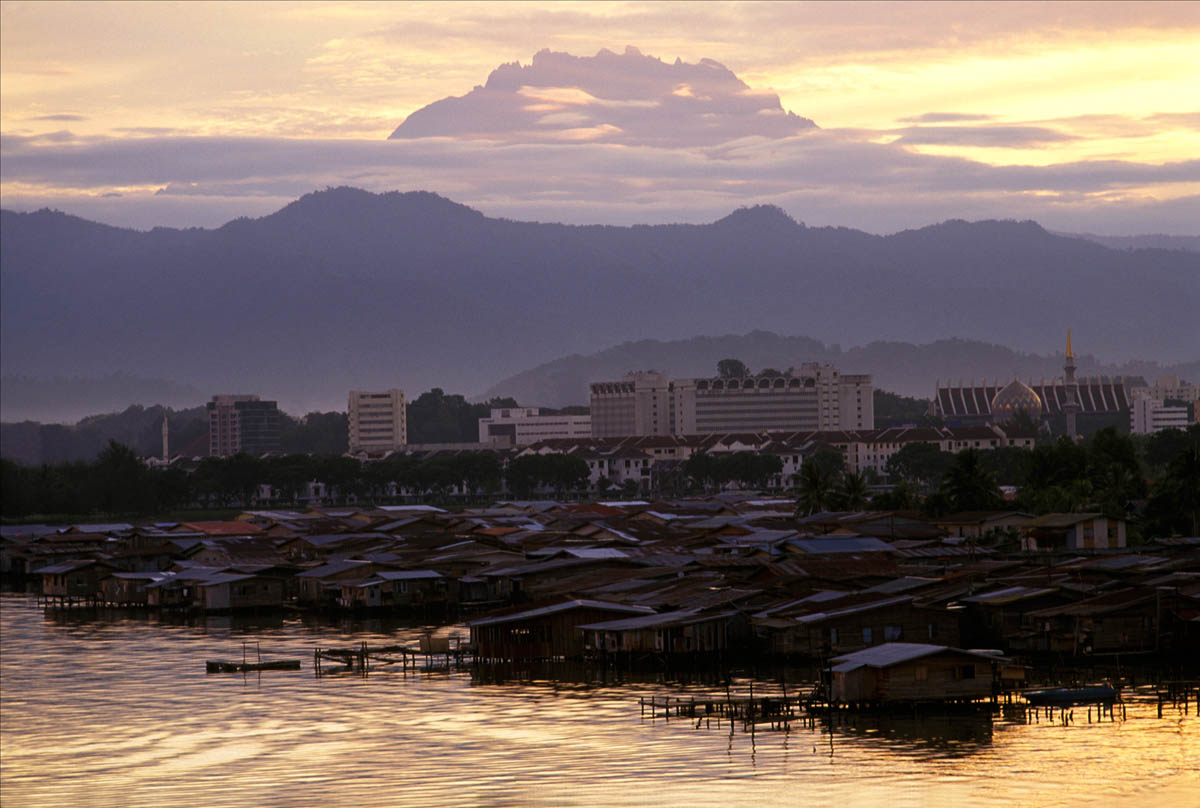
(994, 136)
(945, 117)
(627, 98)
(617, 138)
(593, 181)
(62, 116)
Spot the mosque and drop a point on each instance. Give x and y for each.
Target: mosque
(1068, 406)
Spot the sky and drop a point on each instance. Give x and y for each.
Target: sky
(880, 116)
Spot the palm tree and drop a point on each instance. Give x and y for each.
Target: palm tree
(815, 489)
(968, 486)
(853, 491)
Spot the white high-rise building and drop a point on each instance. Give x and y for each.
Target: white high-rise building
(378, 422)
(521, 426)
(1150, 415)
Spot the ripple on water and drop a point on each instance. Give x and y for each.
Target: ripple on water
(120, 712)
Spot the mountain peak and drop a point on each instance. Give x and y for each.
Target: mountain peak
(759, 216)
(337, 205)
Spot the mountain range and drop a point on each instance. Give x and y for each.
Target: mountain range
(346, 289)
(898, 367)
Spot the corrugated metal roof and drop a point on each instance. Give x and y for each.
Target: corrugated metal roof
(848, 544)
(860, 607)
(1009, 595)
(893, 653)
(407, 575)
(409, 509)
(565, 606)
(643, 621)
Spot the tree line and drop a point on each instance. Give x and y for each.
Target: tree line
(118, 482)
(1153, 481)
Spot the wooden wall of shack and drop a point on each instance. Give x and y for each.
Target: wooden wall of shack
(249, 593)
(844, 634)
(545, 636)
(947, 675)
(703, 636)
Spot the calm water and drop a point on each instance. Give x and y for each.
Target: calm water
(119, 712)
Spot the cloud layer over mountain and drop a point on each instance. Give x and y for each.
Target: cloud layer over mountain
(629, 99)
(621, 138)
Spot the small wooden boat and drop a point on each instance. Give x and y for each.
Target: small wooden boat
(1066, 696)
(222, 666)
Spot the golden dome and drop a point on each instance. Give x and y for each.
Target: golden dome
(1014, 397)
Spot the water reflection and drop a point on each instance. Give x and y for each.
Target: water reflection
(116, 709)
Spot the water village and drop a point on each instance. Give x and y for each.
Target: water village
(893, 607)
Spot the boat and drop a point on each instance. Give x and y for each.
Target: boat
(221, 666)
(1067, 696)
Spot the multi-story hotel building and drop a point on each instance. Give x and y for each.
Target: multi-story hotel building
(816, 397)
(642, 403)
(378, 422)
(242, 423)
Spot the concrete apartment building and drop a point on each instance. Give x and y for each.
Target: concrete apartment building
(816, 397)
(521, 426)
(242, 423)
(1150, 415)
(642, 403)
(378, 421)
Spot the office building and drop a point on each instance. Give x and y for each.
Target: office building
(521, 426)
(1150, 415)
(242, 423)
(377, 422)
(815, 397)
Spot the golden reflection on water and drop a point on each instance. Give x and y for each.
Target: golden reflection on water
(121, 713)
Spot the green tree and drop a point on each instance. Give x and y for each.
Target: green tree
(120, 480)
(852, 493)
(1174, 505)
(318, 433)
(289, 474)
(1162, 447)
(831, 461)
(967, 486)
(816, 489)
(921, 464)
(341, 475)
(732, 369)
(901, 497)
(438, 417)
(702, 467)
(894, 410)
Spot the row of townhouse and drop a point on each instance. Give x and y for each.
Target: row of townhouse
(642, 459)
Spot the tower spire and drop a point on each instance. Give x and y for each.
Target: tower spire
(1071, 405)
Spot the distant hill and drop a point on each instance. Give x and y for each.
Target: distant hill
(345, 289)
(135, 426)
(65, 401)
(898, 367)
(1151, 241)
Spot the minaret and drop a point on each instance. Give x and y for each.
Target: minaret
(1071, 405)
(166, 454)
